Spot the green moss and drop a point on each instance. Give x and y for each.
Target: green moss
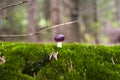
(75, 62)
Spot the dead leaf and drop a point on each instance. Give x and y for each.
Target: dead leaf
(2, 59)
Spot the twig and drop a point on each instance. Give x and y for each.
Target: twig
(71, 66)
(12, 5)
(35, 33)
(112, 60)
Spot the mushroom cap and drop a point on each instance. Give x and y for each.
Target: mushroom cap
(59, 38)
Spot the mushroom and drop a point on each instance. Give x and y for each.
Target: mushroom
(59, 38)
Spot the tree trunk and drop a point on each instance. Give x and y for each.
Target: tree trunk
(95, 19)
(118, 10)
(75, 16)
(72, 13)
(47, 9)
(11, 21)
(85, 18)
(88, 11)
(56, 17)
(31, 20)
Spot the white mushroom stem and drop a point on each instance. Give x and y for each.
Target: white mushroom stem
(59, 44)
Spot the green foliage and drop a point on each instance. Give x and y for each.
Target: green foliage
(89, 63)
(75, 62)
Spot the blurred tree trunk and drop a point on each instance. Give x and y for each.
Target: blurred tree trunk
(9, 13)
(95, 22)
(72, 14)
(47, 16)
(2, 2)
(56, 16)
(47, 9)
(75, 16)
(9, 16)
(118, 10)
(88, 11)
(32, 23)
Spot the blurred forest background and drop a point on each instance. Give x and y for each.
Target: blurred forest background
(98, 20)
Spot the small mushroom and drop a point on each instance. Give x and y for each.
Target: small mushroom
(59, 38)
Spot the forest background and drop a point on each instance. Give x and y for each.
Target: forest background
(84, 21)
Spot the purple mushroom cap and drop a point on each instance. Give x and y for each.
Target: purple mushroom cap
(59, 38)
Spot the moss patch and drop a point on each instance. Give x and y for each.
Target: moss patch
(24, 61)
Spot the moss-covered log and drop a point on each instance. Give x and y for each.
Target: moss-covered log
(26, 61)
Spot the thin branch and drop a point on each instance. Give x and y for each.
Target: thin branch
(12, 5)
(35, 33)
(112, 60)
